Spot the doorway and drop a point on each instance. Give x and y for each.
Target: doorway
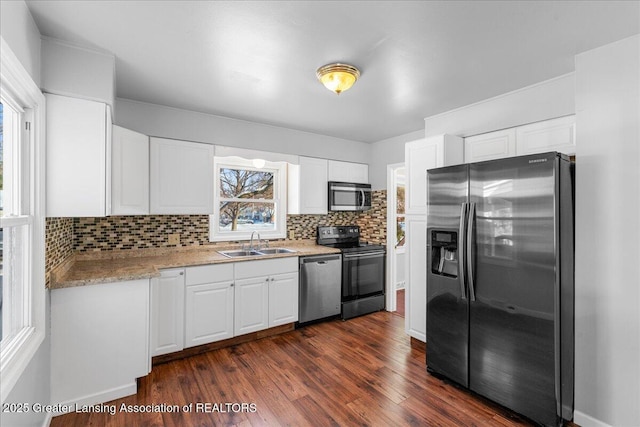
(395, 238)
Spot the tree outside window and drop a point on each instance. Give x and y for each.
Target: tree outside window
(248, 199)
(242, 199)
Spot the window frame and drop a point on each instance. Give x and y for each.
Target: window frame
(17, 87)
(279, 170)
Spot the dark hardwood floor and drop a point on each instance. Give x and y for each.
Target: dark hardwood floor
(364, 371)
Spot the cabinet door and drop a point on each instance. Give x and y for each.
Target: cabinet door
(313, 186)
(251, 305)
(348, 172)
(78, 156)
(130, 172)
(167, 312)
(488, 146)
(283, 299)
(423, 154)
(99, 341)
(416, 284)
(181, 177)
(208, 313)
(549, 135)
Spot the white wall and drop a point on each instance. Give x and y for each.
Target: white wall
(20, 32)
(545, 100)
(387, 152)
(166, 122)
(77, 71)
(608, 235)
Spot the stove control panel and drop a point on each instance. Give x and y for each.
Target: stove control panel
(338, 234)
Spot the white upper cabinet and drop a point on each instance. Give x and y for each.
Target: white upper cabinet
(488, 146)
(423, 154)
(181, 177)
(549, 135)
(78, 157)
(348, 172)
(129, 172)
(307, 187)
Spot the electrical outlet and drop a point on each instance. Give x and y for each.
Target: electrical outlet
(292, 235)
(174, 239)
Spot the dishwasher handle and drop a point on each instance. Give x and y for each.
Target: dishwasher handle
(321, 259)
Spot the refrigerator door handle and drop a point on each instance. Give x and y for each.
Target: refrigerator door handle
(461, 252)
(469, 250)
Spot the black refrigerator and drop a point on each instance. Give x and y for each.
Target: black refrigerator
(500, 287)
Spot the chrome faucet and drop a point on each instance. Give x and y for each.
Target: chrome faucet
(251, 248)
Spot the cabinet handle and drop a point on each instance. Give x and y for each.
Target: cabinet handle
(232, 285)
(182, 273)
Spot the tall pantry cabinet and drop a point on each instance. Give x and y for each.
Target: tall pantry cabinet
(420, 155)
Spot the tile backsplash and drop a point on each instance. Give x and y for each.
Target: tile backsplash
(68, 235)
(58, 243)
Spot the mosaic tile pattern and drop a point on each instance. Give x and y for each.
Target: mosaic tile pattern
(66, 235)
(58, 243)
(304, 226)
(138, 232)
(373, 223)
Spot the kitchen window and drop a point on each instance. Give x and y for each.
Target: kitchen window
(22, 304)
(249, 197)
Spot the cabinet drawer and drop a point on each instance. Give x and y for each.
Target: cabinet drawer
(265, 267)
(209, 274)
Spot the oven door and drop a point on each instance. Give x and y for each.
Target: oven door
(363, 274)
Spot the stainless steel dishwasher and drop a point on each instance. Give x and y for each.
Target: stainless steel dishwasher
(320, 287)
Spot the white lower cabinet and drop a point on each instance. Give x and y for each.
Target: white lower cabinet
(99, 341)
(209, 304)
(266, 294)
(251, 305)
(167, 312)
(203, 304)
(283, 299)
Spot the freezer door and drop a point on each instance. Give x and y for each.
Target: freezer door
(447, 308)
(513, 280)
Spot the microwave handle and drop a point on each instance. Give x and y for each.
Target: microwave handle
(363, 198)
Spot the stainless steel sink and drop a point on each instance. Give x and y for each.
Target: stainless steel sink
(256, 252)
(272, 251)
(239, 253)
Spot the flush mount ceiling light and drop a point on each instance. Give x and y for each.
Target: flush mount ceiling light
(338, 77)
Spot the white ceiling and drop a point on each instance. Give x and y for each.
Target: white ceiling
(257, 60)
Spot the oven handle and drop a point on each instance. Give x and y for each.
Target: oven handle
(367, 255)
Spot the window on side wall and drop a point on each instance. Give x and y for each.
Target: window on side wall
(250, 197)
(22, 293)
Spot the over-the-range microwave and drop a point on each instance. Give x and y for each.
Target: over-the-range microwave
(349, 196)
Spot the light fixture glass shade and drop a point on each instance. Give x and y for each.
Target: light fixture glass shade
(338, 77)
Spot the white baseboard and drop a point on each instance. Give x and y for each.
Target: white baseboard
(98, 398)
(585, 420)
(47, 420)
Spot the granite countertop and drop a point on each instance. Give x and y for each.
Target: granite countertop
(113, 266)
